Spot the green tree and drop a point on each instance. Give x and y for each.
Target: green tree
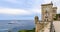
(22, 31)
(33, 30)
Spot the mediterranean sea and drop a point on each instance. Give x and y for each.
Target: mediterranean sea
(16, 25)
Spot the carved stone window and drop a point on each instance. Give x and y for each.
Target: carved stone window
(46, 16)
(45, 19)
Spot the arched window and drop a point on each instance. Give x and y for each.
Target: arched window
(46, 20)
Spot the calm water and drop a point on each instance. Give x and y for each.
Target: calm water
(15, 25)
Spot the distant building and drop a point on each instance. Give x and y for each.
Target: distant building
(50, 19)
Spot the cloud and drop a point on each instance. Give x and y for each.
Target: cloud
(55, 3)
(47, 1)
(36, 11)
(58, 11)
(14, 11)
(11, 1)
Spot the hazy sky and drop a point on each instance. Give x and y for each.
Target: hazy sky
(23, 9)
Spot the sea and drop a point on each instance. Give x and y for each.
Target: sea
(16, 25)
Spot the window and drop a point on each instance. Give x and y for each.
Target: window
(46, 20)
(46, 16)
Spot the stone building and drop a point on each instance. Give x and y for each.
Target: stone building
(49, 20)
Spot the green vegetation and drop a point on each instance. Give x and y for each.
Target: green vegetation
(9, 31)
(33, 30)
(56, 17)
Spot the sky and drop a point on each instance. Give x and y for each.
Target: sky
(23, 9)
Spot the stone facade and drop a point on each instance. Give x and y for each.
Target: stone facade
(48, 14)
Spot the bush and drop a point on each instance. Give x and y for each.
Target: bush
(33, 30)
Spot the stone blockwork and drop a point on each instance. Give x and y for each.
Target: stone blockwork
(48, 14)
